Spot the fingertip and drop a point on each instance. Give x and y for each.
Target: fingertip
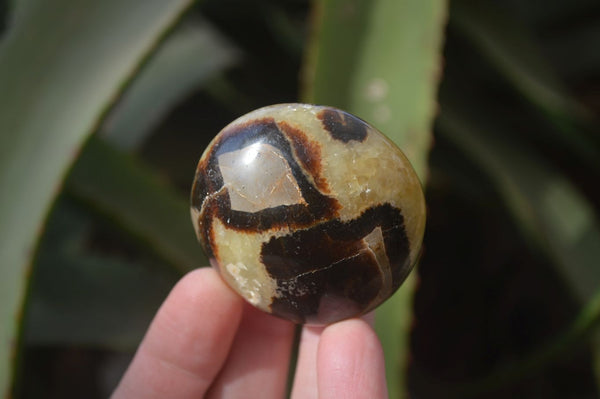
(305, 378)
(205, 279)
(188, 340)
(369, 318)
(203, 288)
(257, 366)
(350, 361)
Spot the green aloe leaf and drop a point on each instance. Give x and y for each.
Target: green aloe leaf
(381, 61)
(123, 189)
(190, 56)
(62, 63)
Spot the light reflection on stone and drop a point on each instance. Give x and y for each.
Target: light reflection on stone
(258, 177)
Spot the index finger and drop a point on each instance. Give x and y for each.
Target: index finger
(187, 342)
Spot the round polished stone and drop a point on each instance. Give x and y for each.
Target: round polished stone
(308, 212)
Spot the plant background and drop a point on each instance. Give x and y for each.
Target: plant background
(496, 104)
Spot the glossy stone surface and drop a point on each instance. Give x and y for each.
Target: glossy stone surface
(308, 212)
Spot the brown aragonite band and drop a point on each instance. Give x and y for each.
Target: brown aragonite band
(347, 262)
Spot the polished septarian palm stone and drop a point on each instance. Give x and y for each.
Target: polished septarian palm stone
(308, 212)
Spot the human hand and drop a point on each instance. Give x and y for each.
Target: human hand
(205, 341)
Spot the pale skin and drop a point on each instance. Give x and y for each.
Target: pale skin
(205, 342)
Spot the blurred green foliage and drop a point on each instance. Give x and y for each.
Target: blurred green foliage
(506, 299)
